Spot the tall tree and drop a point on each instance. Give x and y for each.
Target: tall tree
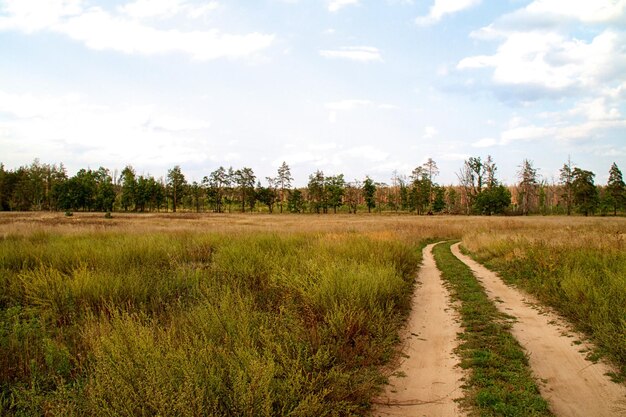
(267, 195)
(566, 179)
(284, 182)
(334, 189)
(215, 185)
(317, 192)
(129, 184)
(584, 191)
(369, 193)
(527, 187)
(616, 189)
(432, 171)
(176, 181)
(245, 180)
(471, 178)
(353, 195)
(489, 168)
(295, 201)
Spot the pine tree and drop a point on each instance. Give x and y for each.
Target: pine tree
(616, 188)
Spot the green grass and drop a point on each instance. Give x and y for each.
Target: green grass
(500, 381)
(583, 276)
(192, 323)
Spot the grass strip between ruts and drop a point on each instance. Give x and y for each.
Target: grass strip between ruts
(500, 382)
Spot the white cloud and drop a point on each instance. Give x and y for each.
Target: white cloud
(430, 132)
(550, 61)
(354, 53)
(367, 153)
(485, 143)
(101, 30)
(443, 7)
(336, 5)
(166, 8)
(586, 11)
(349, 104)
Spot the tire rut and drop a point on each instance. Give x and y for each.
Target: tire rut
(571, 384)
(429, 379)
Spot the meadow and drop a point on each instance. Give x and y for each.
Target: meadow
(254, 315)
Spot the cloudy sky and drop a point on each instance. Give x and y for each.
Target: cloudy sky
(359, 87)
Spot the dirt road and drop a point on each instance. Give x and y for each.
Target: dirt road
(572, 385)
(428, 380)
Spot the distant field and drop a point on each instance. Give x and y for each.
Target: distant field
(184, 314)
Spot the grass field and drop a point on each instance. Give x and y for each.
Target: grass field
(244, 314)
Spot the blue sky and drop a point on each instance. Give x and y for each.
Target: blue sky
(346, 86)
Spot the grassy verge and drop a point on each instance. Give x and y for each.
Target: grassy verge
(500, 381)
(191, 323)
(580, 272)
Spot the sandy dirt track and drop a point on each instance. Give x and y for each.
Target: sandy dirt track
(572, 385)
(428, 380)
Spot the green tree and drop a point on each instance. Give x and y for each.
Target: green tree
(245, 180)
(295, 201)
(284, 182)
(493, 200)
(616, 189)
(439, 203)
(176, 182)
(566, 178)
(584, 191)
(105, 191)
(267, 195)
(335, 187)
(317, 192)
(369, 193)
(431, 169)
(129, 184)
(420, 190)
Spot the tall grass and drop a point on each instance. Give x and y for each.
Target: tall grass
(193, 323)
(579, 270)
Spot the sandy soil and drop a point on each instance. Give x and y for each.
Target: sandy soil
(428, 380)
(571, 384)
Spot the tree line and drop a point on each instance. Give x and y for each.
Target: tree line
(48, 187)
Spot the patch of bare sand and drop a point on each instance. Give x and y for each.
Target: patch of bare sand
(571, 384)
(428, 381)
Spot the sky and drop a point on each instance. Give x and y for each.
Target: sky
(357, 87)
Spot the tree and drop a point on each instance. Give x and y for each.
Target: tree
(369, 193)
(584, 191)
(432, 171)
(295, 201)
(566, 178)
(215, 185)
(284, 182)
(176, 181)
(105, 192)
(129, 183)
(489, 168)
(527, 175)
(419, 198)
(245, 180)
(471, 179)
(317, 192)
(493, 200)
(616, 189)
(439, 203)
(334, 190)
(353, 195)
(267, 195)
